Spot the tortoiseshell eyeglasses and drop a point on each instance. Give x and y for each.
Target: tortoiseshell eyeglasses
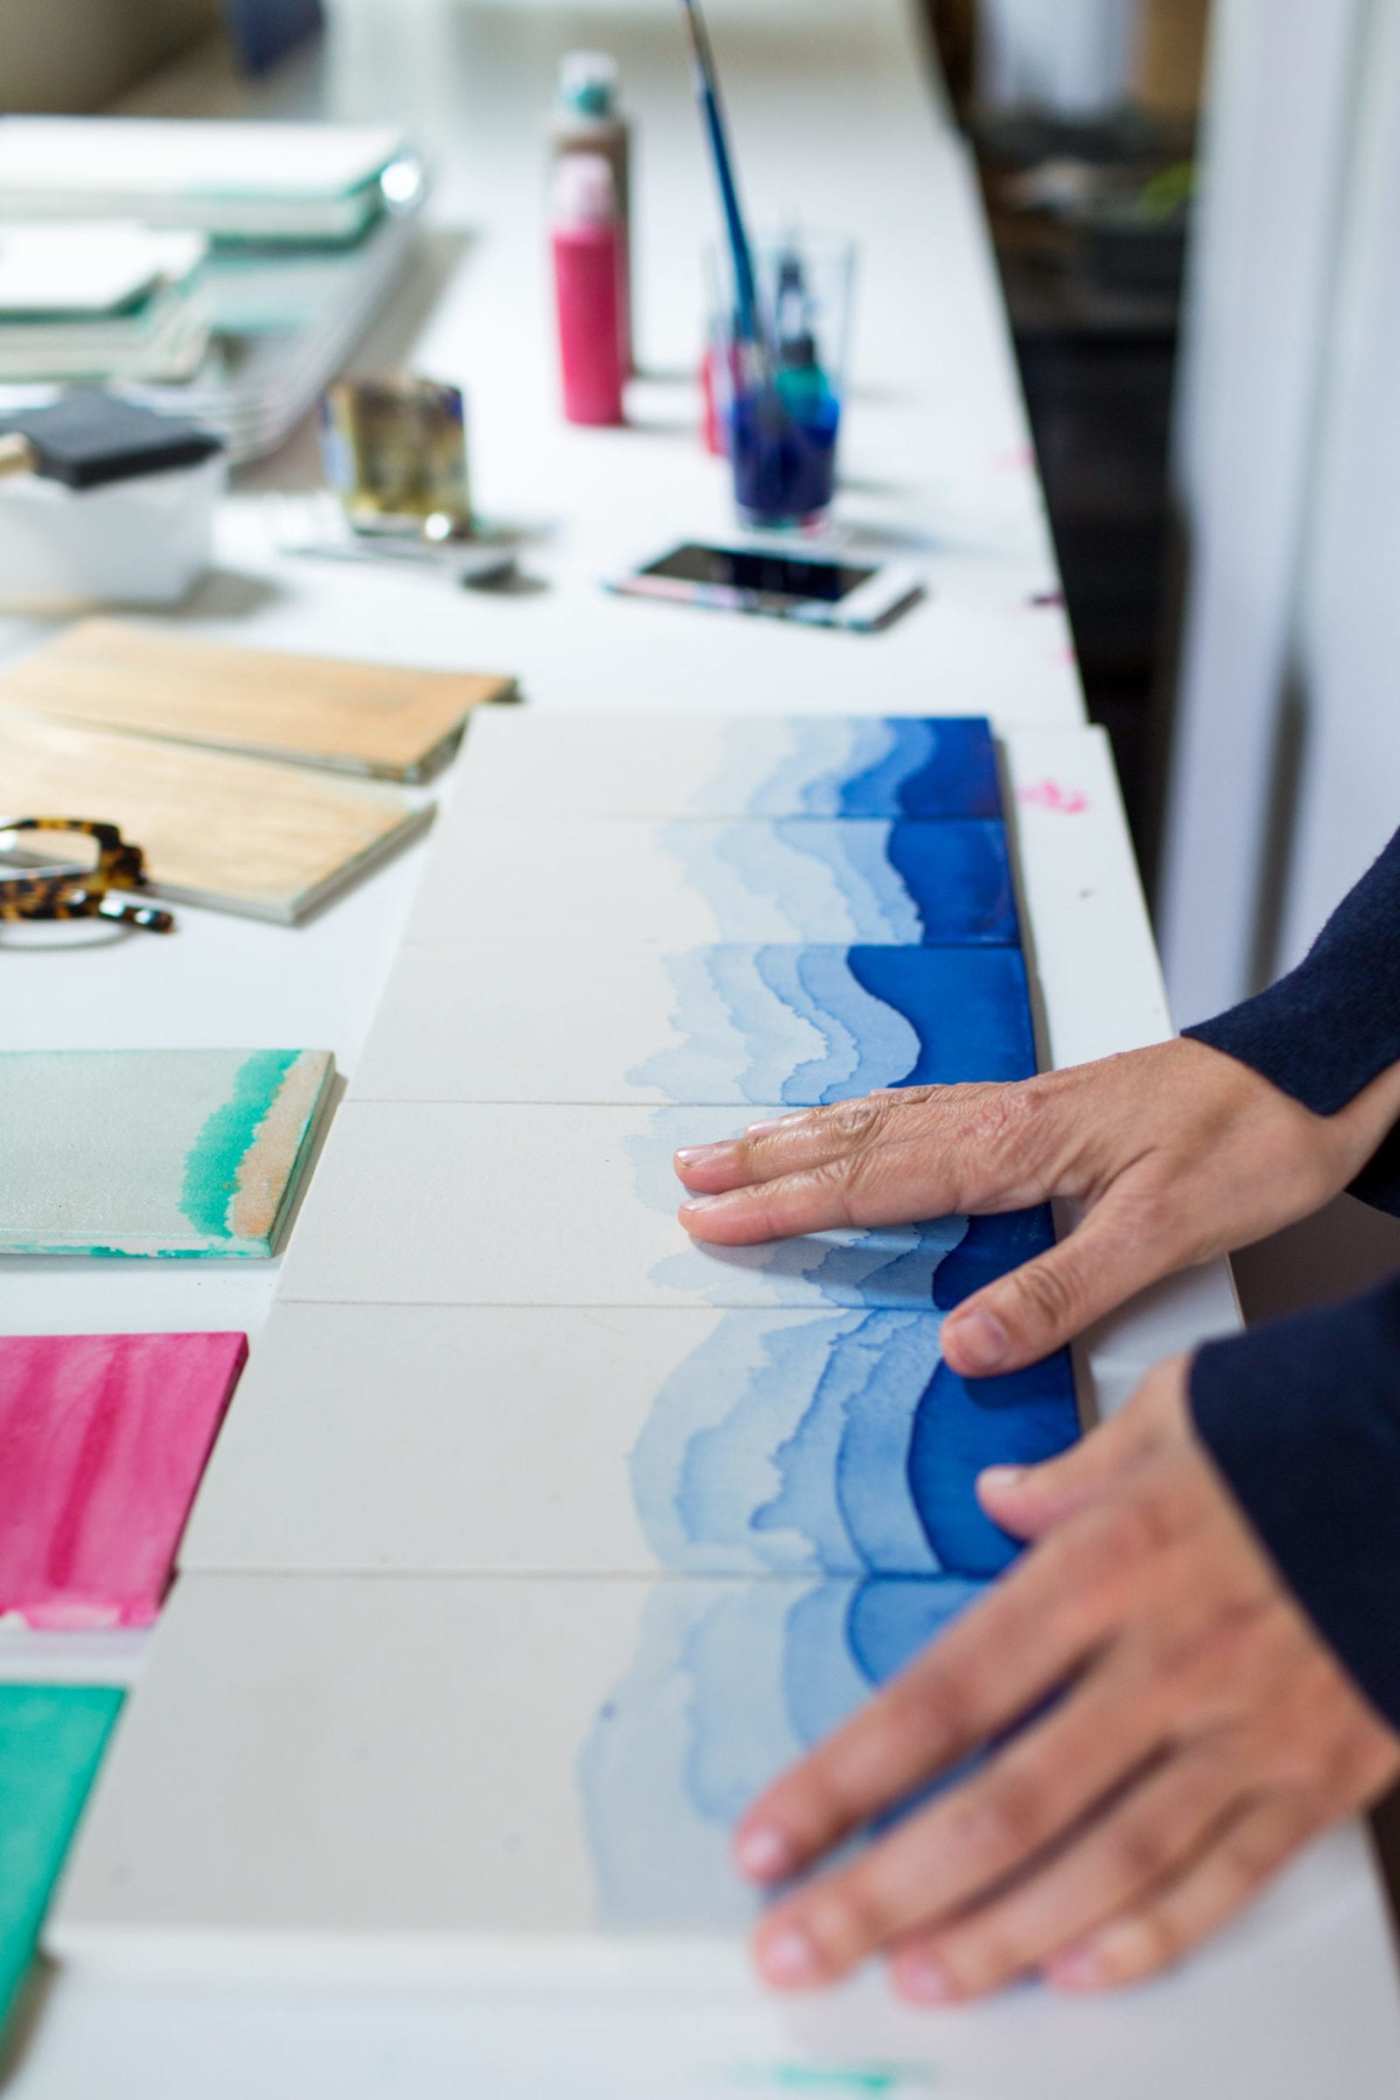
(79, 882)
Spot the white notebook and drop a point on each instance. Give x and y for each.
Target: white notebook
(288, 181)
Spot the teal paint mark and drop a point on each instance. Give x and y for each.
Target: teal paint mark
(211, 1170)
(95, 1250)
(853, 2079)
(51, 1742)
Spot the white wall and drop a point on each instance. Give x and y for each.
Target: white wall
(1349, 798)
(1287, 767)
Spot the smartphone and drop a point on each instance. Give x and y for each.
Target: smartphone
(781, 585)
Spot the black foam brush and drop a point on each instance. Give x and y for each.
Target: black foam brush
(89, 438)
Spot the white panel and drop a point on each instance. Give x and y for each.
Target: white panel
(1276, 162)
(1349, 790)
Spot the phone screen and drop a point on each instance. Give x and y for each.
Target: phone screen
(775, 575)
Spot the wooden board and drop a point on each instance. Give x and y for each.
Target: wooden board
(383, 720)
(240, 834)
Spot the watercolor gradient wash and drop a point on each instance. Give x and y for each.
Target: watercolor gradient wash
(729, 1024)
(903, 883)
(623, 884)
(806, 1026)
(730, 1684)
(851, 767)
(155, 1152)
(51, 1742)
(104, 1438)
(841, 1445)
(595, 765)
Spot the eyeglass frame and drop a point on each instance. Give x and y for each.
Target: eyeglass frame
(66, 891)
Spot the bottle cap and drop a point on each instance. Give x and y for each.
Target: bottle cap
(588, 83)
(584, 191)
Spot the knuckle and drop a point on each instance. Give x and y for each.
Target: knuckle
(1045, 1294)
(1152, 1941)
(979, 1960)
(1146, 1521)
(858, 1122)
(1008, 1820)
(1147, 1215)
(1002, 1120)
(921, 1710)
(836, 1182)
(1249, 1857)
(1138, 1855)
(848, 1918)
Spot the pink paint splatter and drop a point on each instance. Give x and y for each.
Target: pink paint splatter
(1048, 794)
(1016, 459)
(102, 1442)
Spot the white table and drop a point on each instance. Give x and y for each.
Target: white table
(835, 118)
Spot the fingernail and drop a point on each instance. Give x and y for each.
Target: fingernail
(764, 1853)
(926, 1981)
(1077, 1971)
(1000, 1480)
(788, 1957)
(982, 1341)
(701, 1155)
(695, 1203)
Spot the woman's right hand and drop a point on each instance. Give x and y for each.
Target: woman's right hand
(1177, 1153)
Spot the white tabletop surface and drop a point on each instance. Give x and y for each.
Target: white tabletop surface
(837, 125)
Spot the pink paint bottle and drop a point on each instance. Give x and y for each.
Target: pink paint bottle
(588, 285)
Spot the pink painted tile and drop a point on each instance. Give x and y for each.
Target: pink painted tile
(103, 1438)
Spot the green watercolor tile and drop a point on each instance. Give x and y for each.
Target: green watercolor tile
(156, 1154)
(51, 1742)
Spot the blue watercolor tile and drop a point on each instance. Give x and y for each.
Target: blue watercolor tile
(729, 1685)
(837, 1445)
(969, 1008)
(943, 767)
(811, 1024)
(990, 1247)
(906, 883)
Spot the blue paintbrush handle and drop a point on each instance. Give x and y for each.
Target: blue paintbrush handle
(707, 88)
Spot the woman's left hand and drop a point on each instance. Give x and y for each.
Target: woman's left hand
(1205, 1733)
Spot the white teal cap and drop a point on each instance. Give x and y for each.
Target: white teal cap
(588, 83)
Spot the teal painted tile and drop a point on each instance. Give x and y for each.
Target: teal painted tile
(51, 1742)
(171, 1153)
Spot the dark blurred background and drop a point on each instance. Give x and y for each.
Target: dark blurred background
(1087, 160)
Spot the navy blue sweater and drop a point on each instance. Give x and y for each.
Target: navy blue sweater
(1303, 1415)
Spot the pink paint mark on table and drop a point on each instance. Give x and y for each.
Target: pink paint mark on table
(1048, 794)
(103, 1439)
(1015, 459)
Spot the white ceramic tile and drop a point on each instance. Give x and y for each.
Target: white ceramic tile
(433, 1203)
(464, 1760)
(573, 1021)
(513, 1440)
(687, 884)
(598, 764)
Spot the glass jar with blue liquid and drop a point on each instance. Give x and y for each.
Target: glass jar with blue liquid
(779, 384)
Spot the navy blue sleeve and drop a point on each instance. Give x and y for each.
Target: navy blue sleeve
(1302, 1417)
(1332, 1025)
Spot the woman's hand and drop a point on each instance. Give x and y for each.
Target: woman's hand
(1177, 1153)
(1206, 1734)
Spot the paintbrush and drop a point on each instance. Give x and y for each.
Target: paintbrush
(747, 328)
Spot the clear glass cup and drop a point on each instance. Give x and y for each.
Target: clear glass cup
(779, 386)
